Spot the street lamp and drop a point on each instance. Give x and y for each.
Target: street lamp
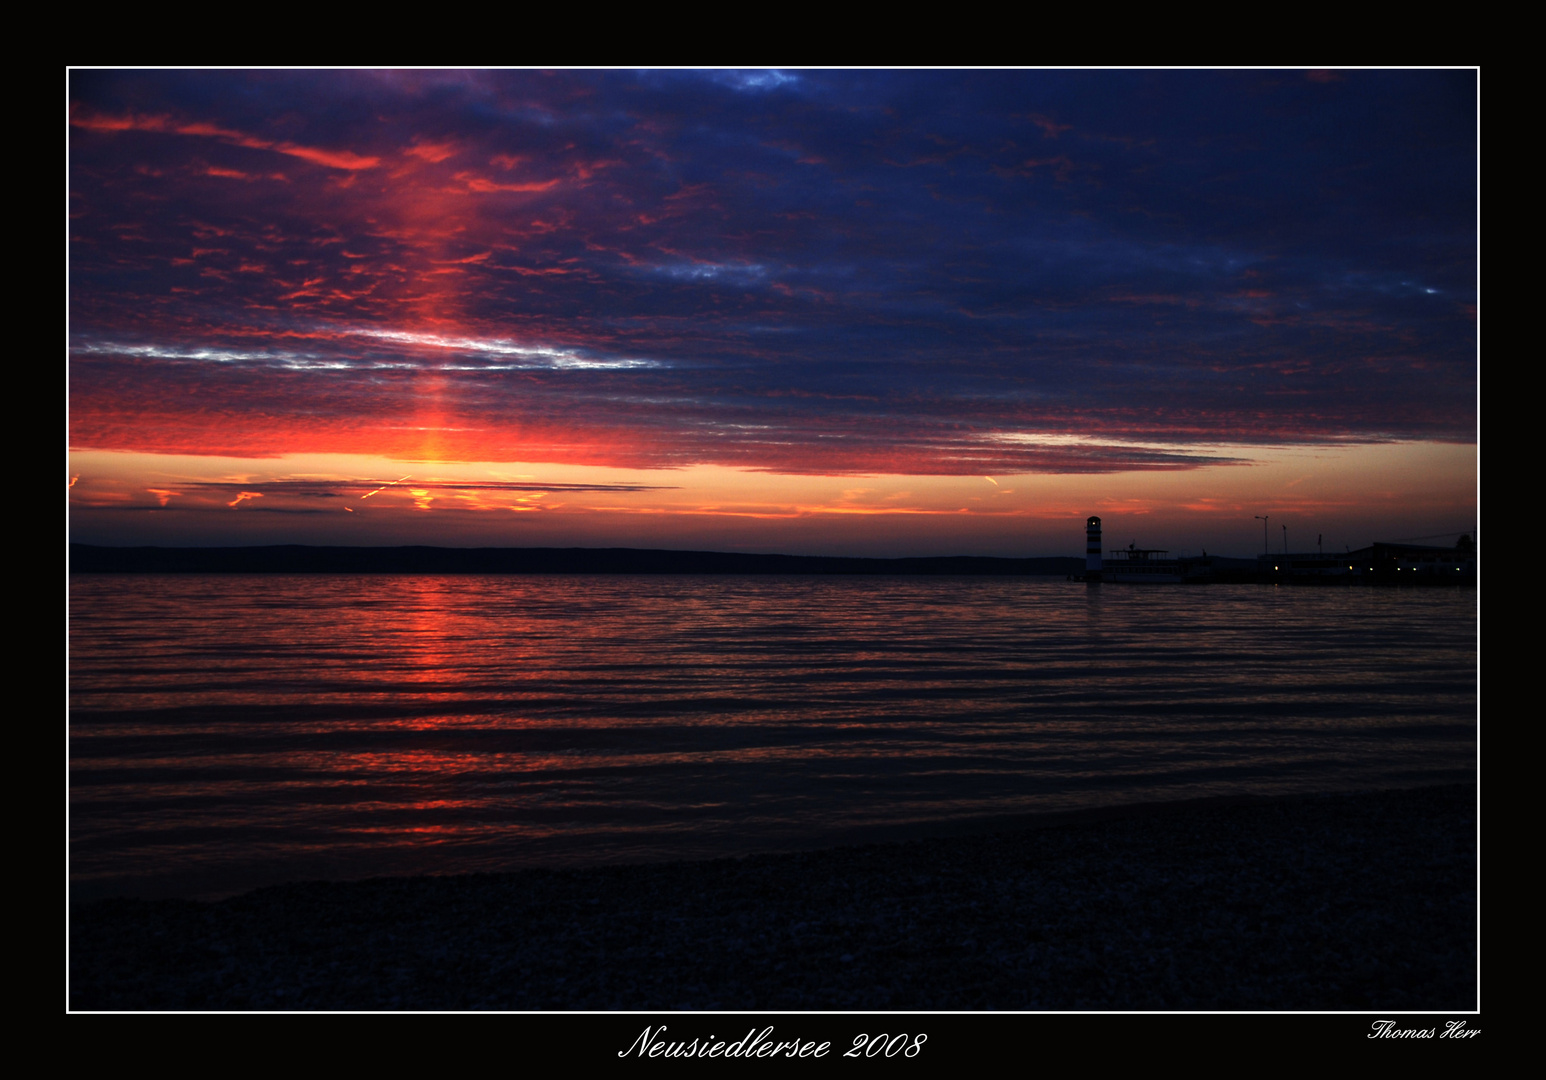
(1263, 519)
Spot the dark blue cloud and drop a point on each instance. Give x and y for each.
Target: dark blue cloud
(1193, 256)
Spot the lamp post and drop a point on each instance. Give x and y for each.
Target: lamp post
(1263, 519)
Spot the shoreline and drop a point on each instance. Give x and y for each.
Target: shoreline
(1339, 901)
(323, 559)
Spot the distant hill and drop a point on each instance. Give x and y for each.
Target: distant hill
(300, 559)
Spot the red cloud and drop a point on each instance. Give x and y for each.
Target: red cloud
(432, 152)
(333, 159)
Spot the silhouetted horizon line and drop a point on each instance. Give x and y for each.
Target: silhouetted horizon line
(422, 558)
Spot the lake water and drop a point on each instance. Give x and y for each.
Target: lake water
(231, 731)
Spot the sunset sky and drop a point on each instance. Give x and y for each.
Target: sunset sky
(813, 312)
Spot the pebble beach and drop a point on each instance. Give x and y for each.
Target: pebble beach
(1330, 902)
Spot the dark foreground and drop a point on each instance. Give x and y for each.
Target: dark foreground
(1329, 902)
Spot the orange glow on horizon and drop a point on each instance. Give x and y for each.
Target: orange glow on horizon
(1345, 492)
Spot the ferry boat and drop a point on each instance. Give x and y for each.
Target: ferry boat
(1142, 565)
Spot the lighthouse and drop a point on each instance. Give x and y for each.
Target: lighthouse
(1092, 549)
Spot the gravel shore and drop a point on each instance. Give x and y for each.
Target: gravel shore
(1364, 901)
